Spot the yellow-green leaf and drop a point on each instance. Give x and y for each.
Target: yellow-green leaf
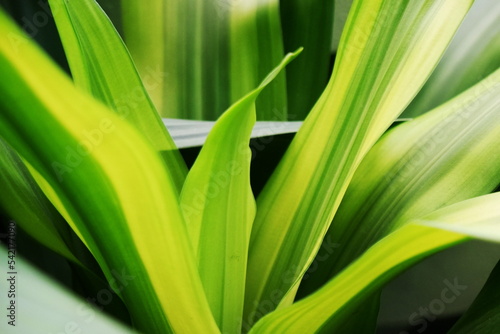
(387, 51)
(473, 54)
(219, 207)
(101, 65)
(23, 202)
(130, 216)
(448, 155)
(322, 311)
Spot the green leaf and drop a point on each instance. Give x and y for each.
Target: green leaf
(349, 290)
(483, 316)
(43, 306)
(219, 207)
(448, 155)
(101, 65)
(130, 217)
(213, 52)
(387, 51)
(473, 54)
(24, 202)
(308, 24)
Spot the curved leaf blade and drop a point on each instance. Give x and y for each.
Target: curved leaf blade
(321, 311)
(23, 201)
(219, 207)
(473, 54)
(448, 155)
(101, 65)
(387, 51)
(130, 216)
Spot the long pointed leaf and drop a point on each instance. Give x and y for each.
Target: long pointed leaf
(130, 216)
(448, 155)
(473, 54)
(22, 200)
(387, 51)
(219, 208)
(101, 64)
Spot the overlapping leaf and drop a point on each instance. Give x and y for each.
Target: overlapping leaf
(101, 64)
(387, 51)
(473, 54)
(323, 311)
(219, 208)
(448, 155)
(129, 217)
(22, 200)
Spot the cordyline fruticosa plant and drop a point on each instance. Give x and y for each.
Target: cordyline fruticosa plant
(89, 170)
